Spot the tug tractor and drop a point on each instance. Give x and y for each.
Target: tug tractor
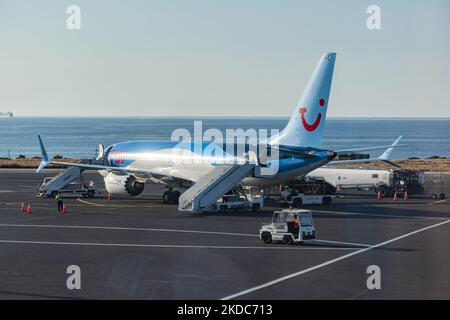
(289, 226)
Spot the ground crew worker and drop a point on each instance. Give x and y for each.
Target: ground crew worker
(285, 193)
(59, 198)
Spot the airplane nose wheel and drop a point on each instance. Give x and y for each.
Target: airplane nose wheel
(176, 197)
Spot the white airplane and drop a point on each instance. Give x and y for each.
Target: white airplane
(128, 166)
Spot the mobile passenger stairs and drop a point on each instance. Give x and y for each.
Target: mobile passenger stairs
(220, 191)
(68, 181)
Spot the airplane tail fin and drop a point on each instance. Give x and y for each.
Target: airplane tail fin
(306, 125)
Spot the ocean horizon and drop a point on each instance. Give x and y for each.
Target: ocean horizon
(79, 136)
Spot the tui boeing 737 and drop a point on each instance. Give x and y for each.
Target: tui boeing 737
(128, 166)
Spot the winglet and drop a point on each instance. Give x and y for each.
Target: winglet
(384, 157)
(387, 153)
(45, 160)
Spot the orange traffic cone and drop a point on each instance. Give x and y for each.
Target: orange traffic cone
(405, 196)
(64, 209)
(29, 209)
(378, 195)
(23, 207)
(395, 196)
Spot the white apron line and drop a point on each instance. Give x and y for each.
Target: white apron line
(296, 274)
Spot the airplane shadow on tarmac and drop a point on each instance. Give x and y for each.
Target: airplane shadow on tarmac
(334, 212)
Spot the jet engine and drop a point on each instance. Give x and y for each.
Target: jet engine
(123, 185)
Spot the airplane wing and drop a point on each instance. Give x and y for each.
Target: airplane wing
(383, 157)
(191, 173)
(394, 145)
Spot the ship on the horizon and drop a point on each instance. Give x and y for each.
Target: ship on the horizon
(6, 114)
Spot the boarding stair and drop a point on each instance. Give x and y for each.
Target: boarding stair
(62, 179)
(206, 191)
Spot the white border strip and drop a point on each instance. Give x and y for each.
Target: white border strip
(296, 274)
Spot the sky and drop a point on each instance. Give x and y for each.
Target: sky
(222, 57)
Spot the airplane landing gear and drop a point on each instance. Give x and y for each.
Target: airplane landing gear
(167, 197)
(171, 197)
(176, 197)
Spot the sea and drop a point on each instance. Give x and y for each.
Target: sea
(79, 137)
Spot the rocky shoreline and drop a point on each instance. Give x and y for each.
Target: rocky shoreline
(426, 165)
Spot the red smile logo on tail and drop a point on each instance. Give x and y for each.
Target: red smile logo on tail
(306, 125)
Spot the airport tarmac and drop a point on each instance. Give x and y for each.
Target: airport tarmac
(143, 249)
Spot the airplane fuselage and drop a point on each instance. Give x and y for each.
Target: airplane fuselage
(200, 158)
